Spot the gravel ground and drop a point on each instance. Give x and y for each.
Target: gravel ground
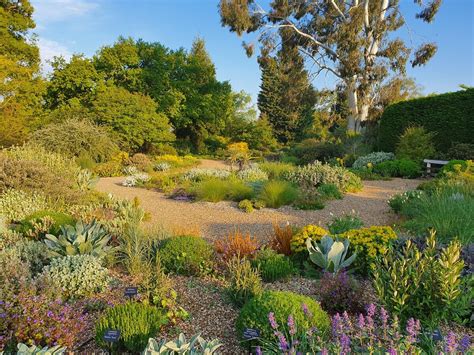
(215, 220)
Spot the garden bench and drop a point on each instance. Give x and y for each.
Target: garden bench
(430, 162)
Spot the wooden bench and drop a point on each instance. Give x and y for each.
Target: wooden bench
(430, 162)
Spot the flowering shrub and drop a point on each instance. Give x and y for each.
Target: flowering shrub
(136, 179)
(16, 204)
(77, 275)
(372, 159)
(278, 306)
(397, 202)
(373, 333)
(298, 242)
(197, 174)
(236, 244)
(43, 321)
(177, 161)
(316, 174)
(252, 174)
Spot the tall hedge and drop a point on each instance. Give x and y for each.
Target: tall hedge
(450, 116)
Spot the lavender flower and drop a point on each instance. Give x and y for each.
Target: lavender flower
(306, 310)
(283, 343)
(384, 317)
(291, 325)
(345, 343)
(271, 318)
(450, 343)
(464, 344)
(336, 325)
(371, 309)
(392, 351)
(361, 322)
(258, 350)
(413, 328)
(324, 351)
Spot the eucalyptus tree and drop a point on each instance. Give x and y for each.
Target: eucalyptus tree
(354, 40)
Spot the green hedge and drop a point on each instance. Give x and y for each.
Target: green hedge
(449, 116)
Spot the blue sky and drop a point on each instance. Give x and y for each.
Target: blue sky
(82, 26)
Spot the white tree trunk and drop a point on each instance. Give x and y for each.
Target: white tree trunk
(353, 118)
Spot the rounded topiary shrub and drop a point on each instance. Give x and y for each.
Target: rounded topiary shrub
(137, 322)
(186, 255)
(306, 312)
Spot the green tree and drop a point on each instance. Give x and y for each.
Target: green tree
(353, 40)
(20, 83)
(76, 79)
(133, 117)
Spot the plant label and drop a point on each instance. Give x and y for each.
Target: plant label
(131, 291)
(250, 334)
(112, 335)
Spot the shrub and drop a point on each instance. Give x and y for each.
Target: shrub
(446, 115)
(281, 240)
(344, 223)
(313, 175)
(454, 166)
(77, 275)
(298, 242)
(83, 238)
(58, 218)
(273, 266)
(108, 169)
(462, 151)
(15, 274)
(278, 305)
(397, 202)
(137, 179)
(276, 170)
(415, 144)
(162, 167)
(238, 190)
(244, 281)
(330, 191)
(368, 243)
(177, 161)
(195, 345)
(15, 205)
(186, 255)
(437, 281)
(33, 253)
(398, 168)
(43, 321)
(252, 174)
(215, 190)
(75, 138)
(372, 159)
(246, 205)
(340, 293)
(310, 150)
(198, 174)
(236, 244)
(277, 193)
(137, 323)
(141, 162)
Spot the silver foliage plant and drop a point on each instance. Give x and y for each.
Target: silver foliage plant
(194, 346)
(372, 158)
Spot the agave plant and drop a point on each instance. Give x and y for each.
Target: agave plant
(35, 350)
(90, 238)
(330, 255)
(85, 180)
(196, 345)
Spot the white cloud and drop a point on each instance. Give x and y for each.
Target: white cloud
(50, 49)
(61, 10)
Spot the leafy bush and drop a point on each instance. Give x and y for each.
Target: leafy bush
(278, 305)
(15, 274)
(372, 159)
(340, 293)
(415, 144)
(198, 174)
(244, 281)
(58, 218)
(281, 239)
(277, 193)
(368, 244)
(15, 205)
(246, 205)
(137, 323)
(453, 166)
(137, 179)
(310, 150)
(273, 266)
(298, 242)
(162, 167)
(186, 255)
(398, 168)
(33, 253)
(276, 170)
(313, 175)
(236, 244)
(141, 162)
(437, 281)
(446, 115)
(83, 238)
(344, 223)
(107, 169)
(177, 161)
(252, 174)
(397, 202)
(77, 275)
(462, 151)
(75, 138)
(195, 345)
(330, 191)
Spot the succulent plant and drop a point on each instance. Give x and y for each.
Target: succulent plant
(330, 255)
(196, 345)
(33, 349)
(85, 180)
(83, 238)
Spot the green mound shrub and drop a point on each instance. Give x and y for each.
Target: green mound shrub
(59, 219)
(415, 144)
(244, 281)
(246, 205)
(454, 165)
(344, 223)
(77, 275)
(398, 168)
(276, 170)
(137, 323)
(373, 159)
(310, 150)
(307, 313)
(463, 151)
(447, 115)
(273, 266)
(186, 255)
(330, 191)
(15, 205)
(277, 193)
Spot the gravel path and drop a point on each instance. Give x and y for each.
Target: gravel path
(216, 220)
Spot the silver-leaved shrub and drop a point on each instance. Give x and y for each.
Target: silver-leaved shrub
(372, 158)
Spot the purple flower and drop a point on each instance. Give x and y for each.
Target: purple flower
(291, 325)
(271, 319)
(347, 320)
(258, 351)
(324, 351)
(464, 344)
(371, 309)
(392, 351)
(306, 310)
(450, 343)
(384, 317)
(283, 343)
(345, 343)
(361, 322)
(50, 314)
(413, 328)
(336, 325)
